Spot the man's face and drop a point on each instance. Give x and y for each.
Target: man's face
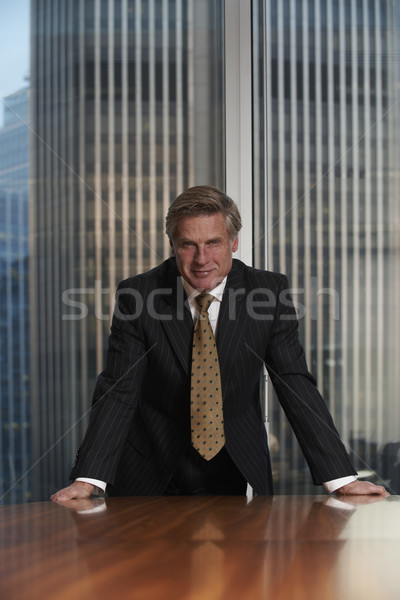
(203, 249)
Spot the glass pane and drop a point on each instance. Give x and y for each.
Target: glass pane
(326, 172)
(126, 112)
(15, 420)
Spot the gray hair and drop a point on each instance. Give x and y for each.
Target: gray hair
(203, 200)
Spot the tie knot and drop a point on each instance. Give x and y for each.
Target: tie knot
(203, 301)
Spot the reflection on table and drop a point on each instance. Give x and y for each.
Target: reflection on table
(205, 548)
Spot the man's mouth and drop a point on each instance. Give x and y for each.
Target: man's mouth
(202, 273)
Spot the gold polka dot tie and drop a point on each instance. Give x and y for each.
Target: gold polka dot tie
(207, 421)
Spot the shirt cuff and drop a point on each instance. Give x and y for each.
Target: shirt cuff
(332, 502)
(335, 484)
(99, 486)
(102, 507)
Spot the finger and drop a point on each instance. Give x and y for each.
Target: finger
(64, 494)
(376, 489)
(72, 491)
(363, 488)
(382, 491)
(78, 489)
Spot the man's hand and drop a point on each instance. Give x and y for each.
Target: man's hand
(77, 490)
(362, 488)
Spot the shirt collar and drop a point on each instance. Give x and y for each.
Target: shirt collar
(217, 292)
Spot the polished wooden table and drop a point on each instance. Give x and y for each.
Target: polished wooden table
(201, 548)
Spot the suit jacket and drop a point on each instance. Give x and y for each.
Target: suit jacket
(140, 419)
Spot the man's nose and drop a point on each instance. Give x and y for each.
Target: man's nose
(201, 255)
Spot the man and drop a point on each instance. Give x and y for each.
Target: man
(145, 435)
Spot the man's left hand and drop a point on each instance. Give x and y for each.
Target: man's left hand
(362, 488)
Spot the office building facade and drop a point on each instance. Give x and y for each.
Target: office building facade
(127, 113)
(131, 104)
(327, 159)
(15, 432)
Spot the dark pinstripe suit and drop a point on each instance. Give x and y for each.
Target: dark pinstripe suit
(139, 425)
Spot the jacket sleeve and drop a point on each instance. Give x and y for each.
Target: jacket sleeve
(117, 391)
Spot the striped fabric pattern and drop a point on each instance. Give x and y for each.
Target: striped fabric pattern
(140, 420)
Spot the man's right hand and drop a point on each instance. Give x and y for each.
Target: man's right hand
(77, 490)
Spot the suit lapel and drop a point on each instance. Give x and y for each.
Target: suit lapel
(232, 319)
(176, 318)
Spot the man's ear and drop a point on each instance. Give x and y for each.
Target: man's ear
(172, 246)
(235, 244)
